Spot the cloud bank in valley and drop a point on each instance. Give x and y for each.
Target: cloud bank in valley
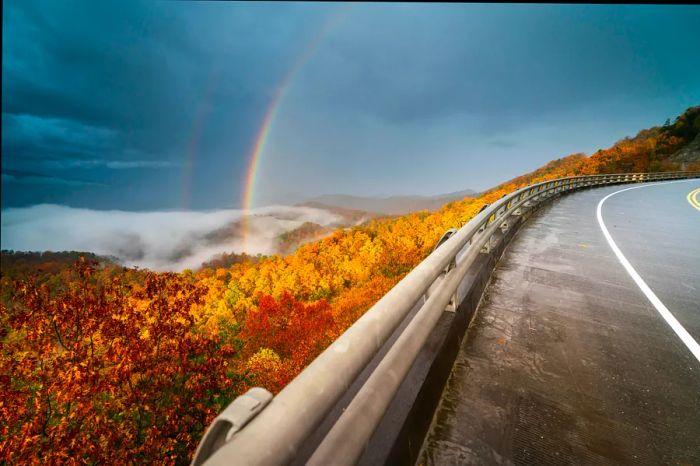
(167, 240)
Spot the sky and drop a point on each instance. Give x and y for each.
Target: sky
(160, 106)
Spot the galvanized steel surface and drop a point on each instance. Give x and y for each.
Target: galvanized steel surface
(275, 435)
(566, 361)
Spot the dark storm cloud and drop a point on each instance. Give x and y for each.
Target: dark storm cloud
(504, 61)
(407, 98)
(155, 105)
(115, 85)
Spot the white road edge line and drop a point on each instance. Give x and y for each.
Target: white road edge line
(651, 296)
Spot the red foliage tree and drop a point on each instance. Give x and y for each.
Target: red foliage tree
(297, 332)
(107, 372)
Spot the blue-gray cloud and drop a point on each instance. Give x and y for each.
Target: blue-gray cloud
(106, 86)
(29, 178)
(155, 105)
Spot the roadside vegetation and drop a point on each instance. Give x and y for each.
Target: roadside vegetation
(105, 364)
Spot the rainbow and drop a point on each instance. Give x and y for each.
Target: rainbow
(200, 118)
(273, 109)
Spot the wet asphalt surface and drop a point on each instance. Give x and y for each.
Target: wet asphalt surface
(566, 361)
(658, 231)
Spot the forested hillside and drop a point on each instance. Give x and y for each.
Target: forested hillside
(102, 363)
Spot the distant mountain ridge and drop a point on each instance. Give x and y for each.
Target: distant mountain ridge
(392, 205)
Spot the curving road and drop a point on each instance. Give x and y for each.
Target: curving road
(583, 350)
(664, 262)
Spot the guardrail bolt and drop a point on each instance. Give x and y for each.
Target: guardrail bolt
(486, 248)
(452, 305)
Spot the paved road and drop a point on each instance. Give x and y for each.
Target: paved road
(567, 360)
(667, 254)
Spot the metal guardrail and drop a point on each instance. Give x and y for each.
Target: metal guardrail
(257, 429)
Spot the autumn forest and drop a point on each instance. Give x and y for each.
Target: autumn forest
(101, 363)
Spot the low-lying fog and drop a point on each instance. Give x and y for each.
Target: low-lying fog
(168, 240)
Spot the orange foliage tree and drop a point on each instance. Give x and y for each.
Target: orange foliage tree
(108, 371)
(121, 365)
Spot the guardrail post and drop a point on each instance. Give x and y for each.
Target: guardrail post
(482, 230)
(451, 305)
(486, 248)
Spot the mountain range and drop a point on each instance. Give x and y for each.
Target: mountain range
(392, 205)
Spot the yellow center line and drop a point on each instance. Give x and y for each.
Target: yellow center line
(693, 198)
